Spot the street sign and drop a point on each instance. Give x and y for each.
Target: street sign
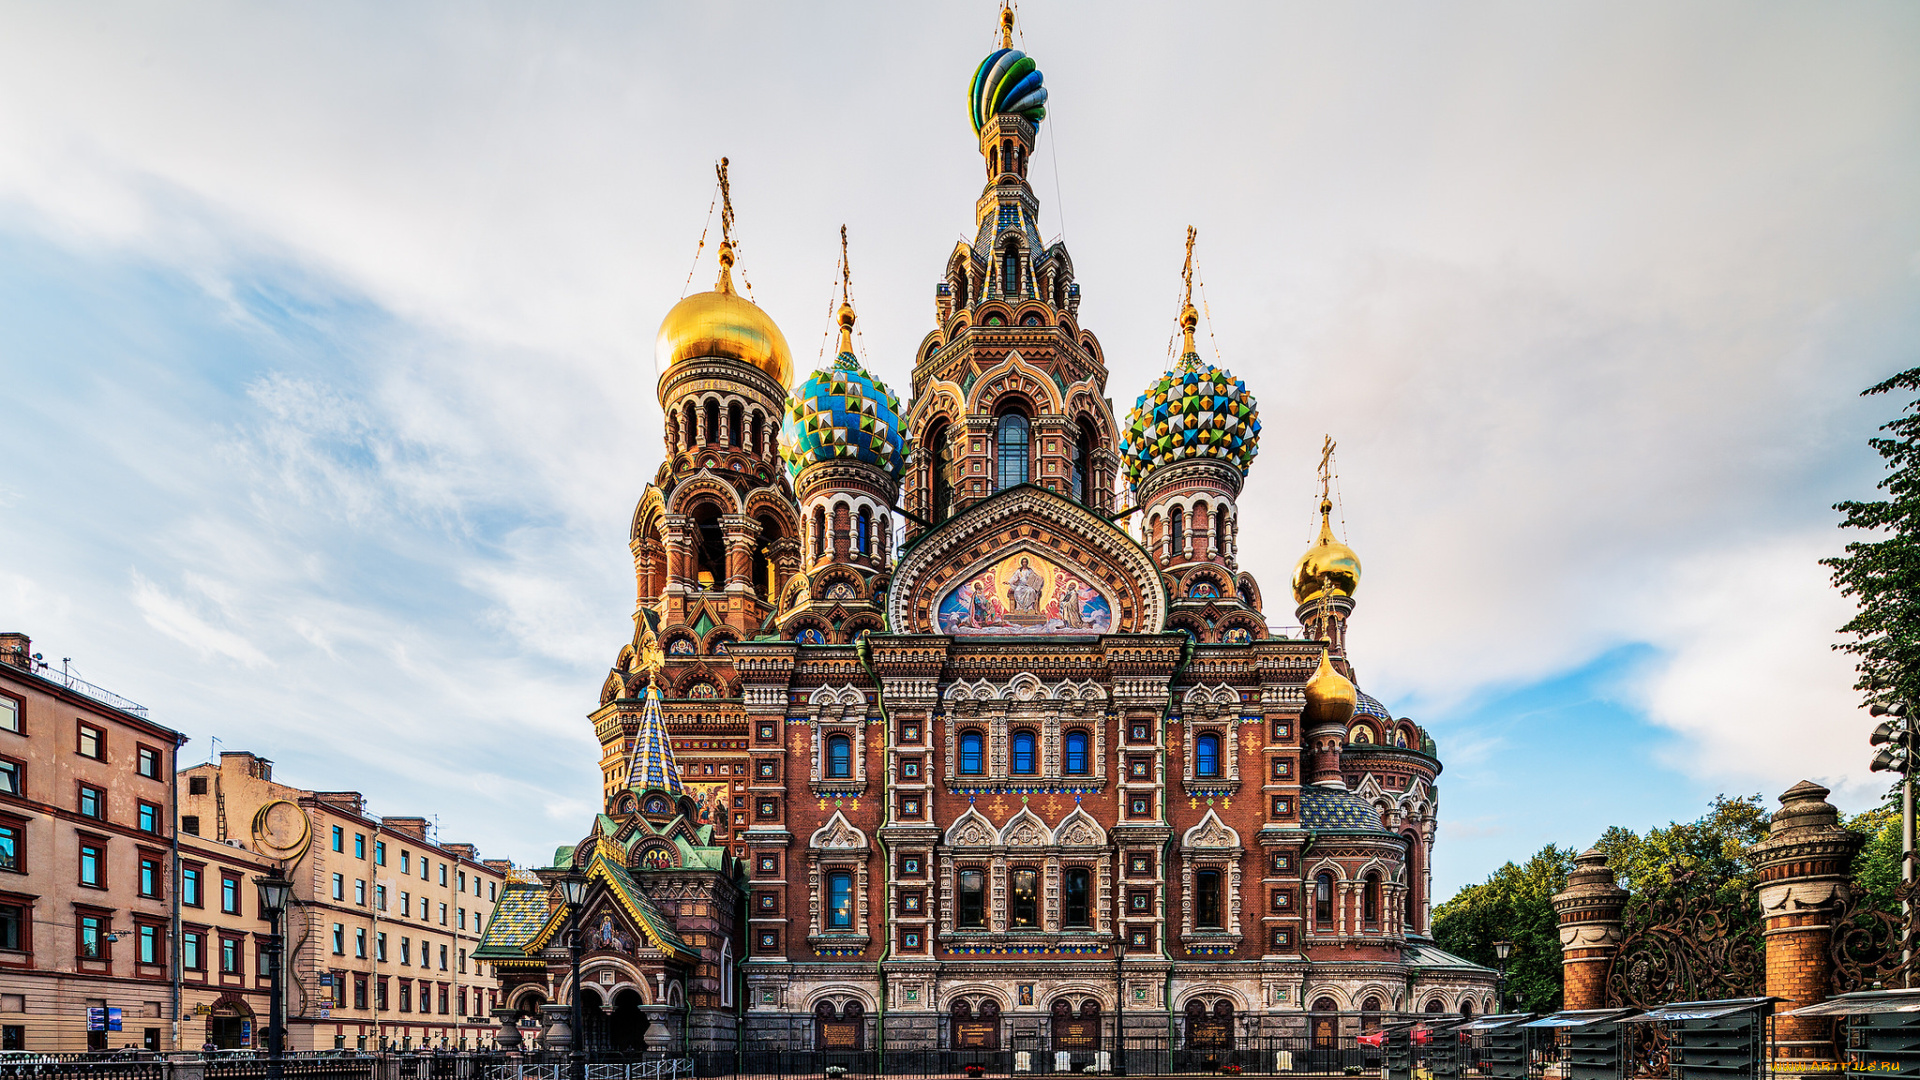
(326, 978)
(326, 1010)
(203, 1009)
(246, 1029)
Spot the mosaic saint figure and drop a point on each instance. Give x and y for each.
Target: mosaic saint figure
(1024, 588)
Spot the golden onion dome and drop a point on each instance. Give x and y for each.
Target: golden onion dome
(1328, 562)
(725, 324)
(1331, 697)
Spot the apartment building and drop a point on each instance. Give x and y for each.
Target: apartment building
(86, 856)
(384, 916)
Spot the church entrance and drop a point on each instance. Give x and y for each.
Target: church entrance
(975, 1028)
(627, 1027)
(1076, 1034)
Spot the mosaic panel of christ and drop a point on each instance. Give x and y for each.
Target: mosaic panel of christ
(1025, 593)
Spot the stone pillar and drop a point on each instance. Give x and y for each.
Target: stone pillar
(1589, 916)
(558, 1035)
(1803, 868)
(508, 1037)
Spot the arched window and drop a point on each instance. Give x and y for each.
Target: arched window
(940, 490)
(1176, 534)
(1023, 908)
(1370, 1014)
(1010, 270)
(1078, 883)
(1220, 532)
(839, 757)
(734, 425)
(1413, 879)
(1206, 899)
(766, 572)
(840, 900)
(1466, 1007)
(1013, 439)
(1436, 1006)
(1197, 521)
(1206, 755)
(1077, 760)
(713, 421)
(1323, 901)
(819, 532)
(1023, 755)
(1370, 898)
(863, 536)
(972, 913)
(842, 524)
(754, 429)
(972, 758)
(693, 427)
(1083, 466)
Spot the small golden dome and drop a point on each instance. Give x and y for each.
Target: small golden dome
(1327, 560)
(1331, 697)
(723, 323)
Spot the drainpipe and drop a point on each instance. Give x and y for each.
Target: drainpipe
(174, 974)
(864, 650)
(1166, 849)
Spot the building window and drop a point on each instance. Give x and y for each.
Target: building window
(1323, 901)
(339, 887)
(149, 818)
(1370, 898)
(230, 956)
(863, 532)
(360, 892)
(359, 845)
(359, 991)
(10, 847)
(190, 824)
(196, 785)
(406, 863)
(1077, 757)
(1023, 755)
(972, 757)
(1078, 884)
(1013, 437)
(92, 940)
(406, 952)
(1206, 755)
(360, 942)
(840, 900)
(339, 940)
(9, 713)
(1206, 899)
(839, 757)
(192, 958)
(406, 995)
(13, 924)
(380, 994)
(380, 853)
(147, 762)
(149, 944)
(380, 947)
(973, 899)
(1024, 899)
(190, 886)
(150, 877)
(443, 958)
(93, 802)
(230, 894)
(93, 862)
(10, 778)
(339, 839)
(92, 742)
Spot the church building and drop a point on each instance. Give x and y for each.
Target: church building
(956, 720)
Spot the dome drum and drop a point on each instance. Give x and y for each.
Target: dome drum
(1208, 474)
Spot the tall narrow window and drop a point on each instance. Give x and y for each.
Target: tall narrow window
(840, 900)
(1412, 878)
(973, 900)
(1206, 755)
(734, 424)
(1206, 899)
(1077, 885)
(1323, 901)
(1076, 755)
(1024, 896)
(1023, 756)
(1012, 436)
(1220, 545)
(819, 532)
(863, 536)
(1083, 466)
(754, 429)
(1370, 898)
(713, 422)
(839, 757)
(971, 758)
(942, 489)
(1176, 534)
(1010, 271)
(692, 424)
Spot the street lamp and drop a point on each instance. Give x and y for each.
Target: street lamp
(1501, 950)
(573, 887)
(1895, 738)
(274, 893)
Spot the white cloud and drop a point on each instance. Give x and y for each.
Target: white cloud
(177, 618)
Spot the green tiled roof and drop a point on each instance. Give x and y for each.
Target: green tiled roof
(517, 917)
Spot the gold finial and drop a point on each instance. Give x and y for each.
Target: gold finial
(1326, 476)
(1006, 24)
(846, 296)
(725, 284)
(649, 657)
(1189, 318)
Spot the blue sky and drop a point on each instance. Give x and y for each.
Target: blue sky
(326, 345)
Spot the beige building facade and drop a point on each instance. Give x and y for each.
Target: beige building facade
(384, 918)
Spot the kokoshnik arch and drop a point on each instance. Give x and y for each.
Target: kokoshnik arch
(1029, 771)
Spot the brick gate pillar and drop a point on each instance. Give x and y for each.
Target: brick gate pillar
(1589, 916)
(1803, 868)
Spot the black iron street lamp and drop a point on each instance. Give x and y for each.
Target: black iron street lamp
(1501, 950)
(275, 890)
(573, 887)
(1896, 739)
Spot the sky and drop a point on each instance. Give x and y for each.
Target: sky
(327, 380)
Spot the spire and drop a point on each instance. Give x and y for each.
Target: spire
(1189, 318)
(1006, 24)
(652, 767)
(846, 298)
(725, 284)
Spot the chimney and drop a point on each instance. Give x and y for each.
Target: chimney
(16, 649)
(415, 827)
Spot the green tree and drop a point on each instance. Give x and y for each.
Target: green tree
(1876, 870)
(1882, 575)
(1514, 904)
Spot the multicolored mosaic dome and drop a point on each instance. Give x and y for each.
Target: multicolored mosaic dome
(1368, 705)
(1007, 81)
(1195, 410)
(843, 413)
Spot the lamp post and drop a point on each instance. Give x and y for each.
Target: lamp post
(274, 893)
(573, 887)
(1501, 950)
(1895, 738)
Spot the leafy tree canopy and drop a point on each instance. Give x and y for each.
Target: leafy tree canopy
(1882, 574)
(1515, 904)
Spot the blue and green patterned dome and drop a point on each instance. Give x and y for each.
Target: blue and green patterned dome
(1007, 81)
(1196, 410)
(842, 413)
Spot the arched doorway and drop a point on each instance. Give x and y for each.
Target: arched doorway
(839, 1029)
(1075, 1032)
(1326, 1024)
(593, 1020)
(1209, 1029)
(230, 1026)
(975, 1027)
(627, 1027)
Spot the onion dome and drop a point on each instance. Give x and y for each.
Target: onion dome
(1194, 411)
(843, 413)
(1331, 698)
(1328, 561)
(1007, 81)
(1366, 704)
(725, 324)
